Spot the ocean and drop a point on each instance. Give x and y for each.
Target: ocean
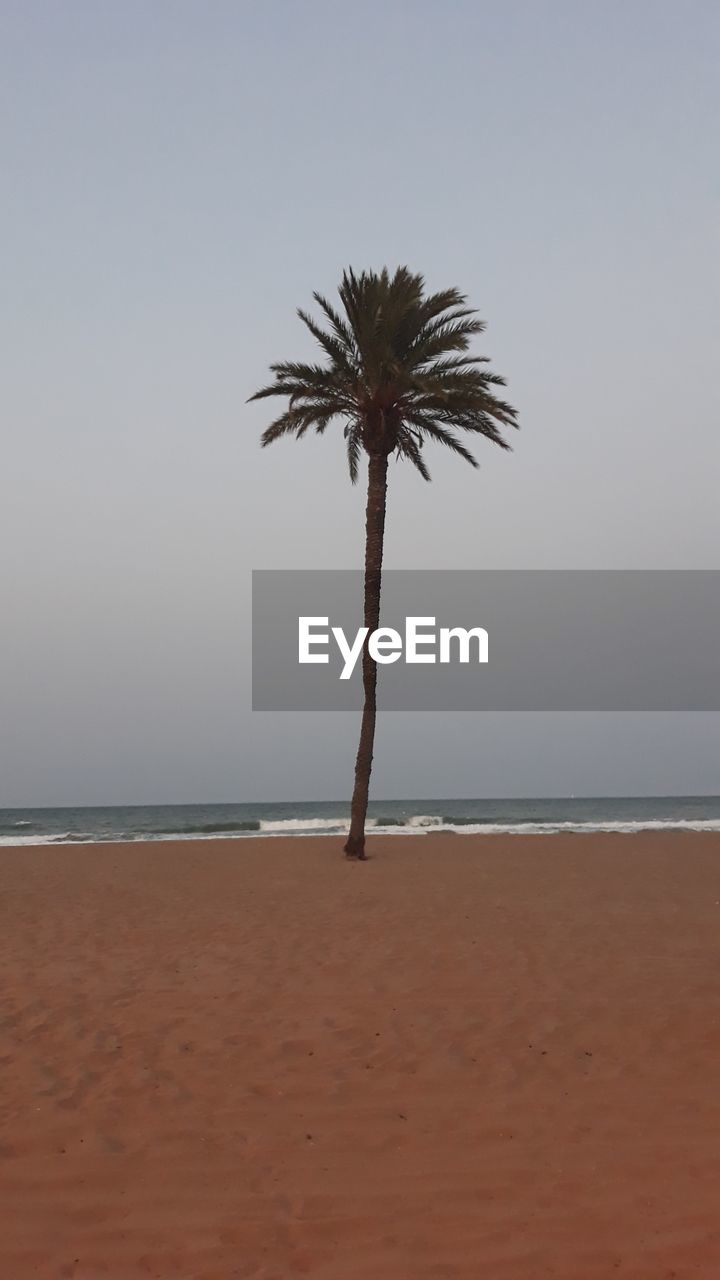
(220, 821)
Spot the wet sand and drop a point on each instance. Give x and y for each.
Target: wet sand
(472, 1057)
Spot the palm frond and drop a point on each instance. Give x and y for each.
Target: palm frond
(354, 447)
(341, 329)
(443, 336)
(431, 430)
(409, 447)
(331, 345)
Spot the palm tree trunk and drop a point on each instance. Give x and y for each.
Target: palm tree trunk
(374, 532)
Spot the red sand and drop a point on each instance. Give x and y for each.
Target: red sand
(470, 1057)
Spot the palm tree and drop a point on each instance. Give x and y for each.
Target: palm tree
(396, 378)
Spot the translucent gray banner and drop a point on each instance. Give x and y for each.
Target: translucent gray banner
(555, 640)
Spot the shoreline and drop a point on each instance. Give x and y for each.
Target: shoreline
(661, 830)
(494, 1054)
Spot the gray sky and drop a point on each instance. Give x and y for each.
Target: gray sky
(177, 179)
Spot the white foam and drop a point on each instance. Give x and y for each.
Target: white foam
(554, 828)
(59, 837)
(281, 825)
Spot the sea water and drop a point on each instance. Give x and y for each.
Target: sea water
(398, 817)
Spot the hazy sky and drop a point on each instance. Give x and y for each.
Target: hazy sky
(178, 177)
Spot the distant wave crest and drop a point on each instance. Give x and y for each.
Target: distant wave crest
(203, 829)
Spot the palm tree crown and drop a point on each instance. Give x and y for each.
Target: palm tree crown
(395, 375)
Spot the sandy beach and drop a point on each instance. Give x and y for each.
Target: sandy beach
(470, 1057)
